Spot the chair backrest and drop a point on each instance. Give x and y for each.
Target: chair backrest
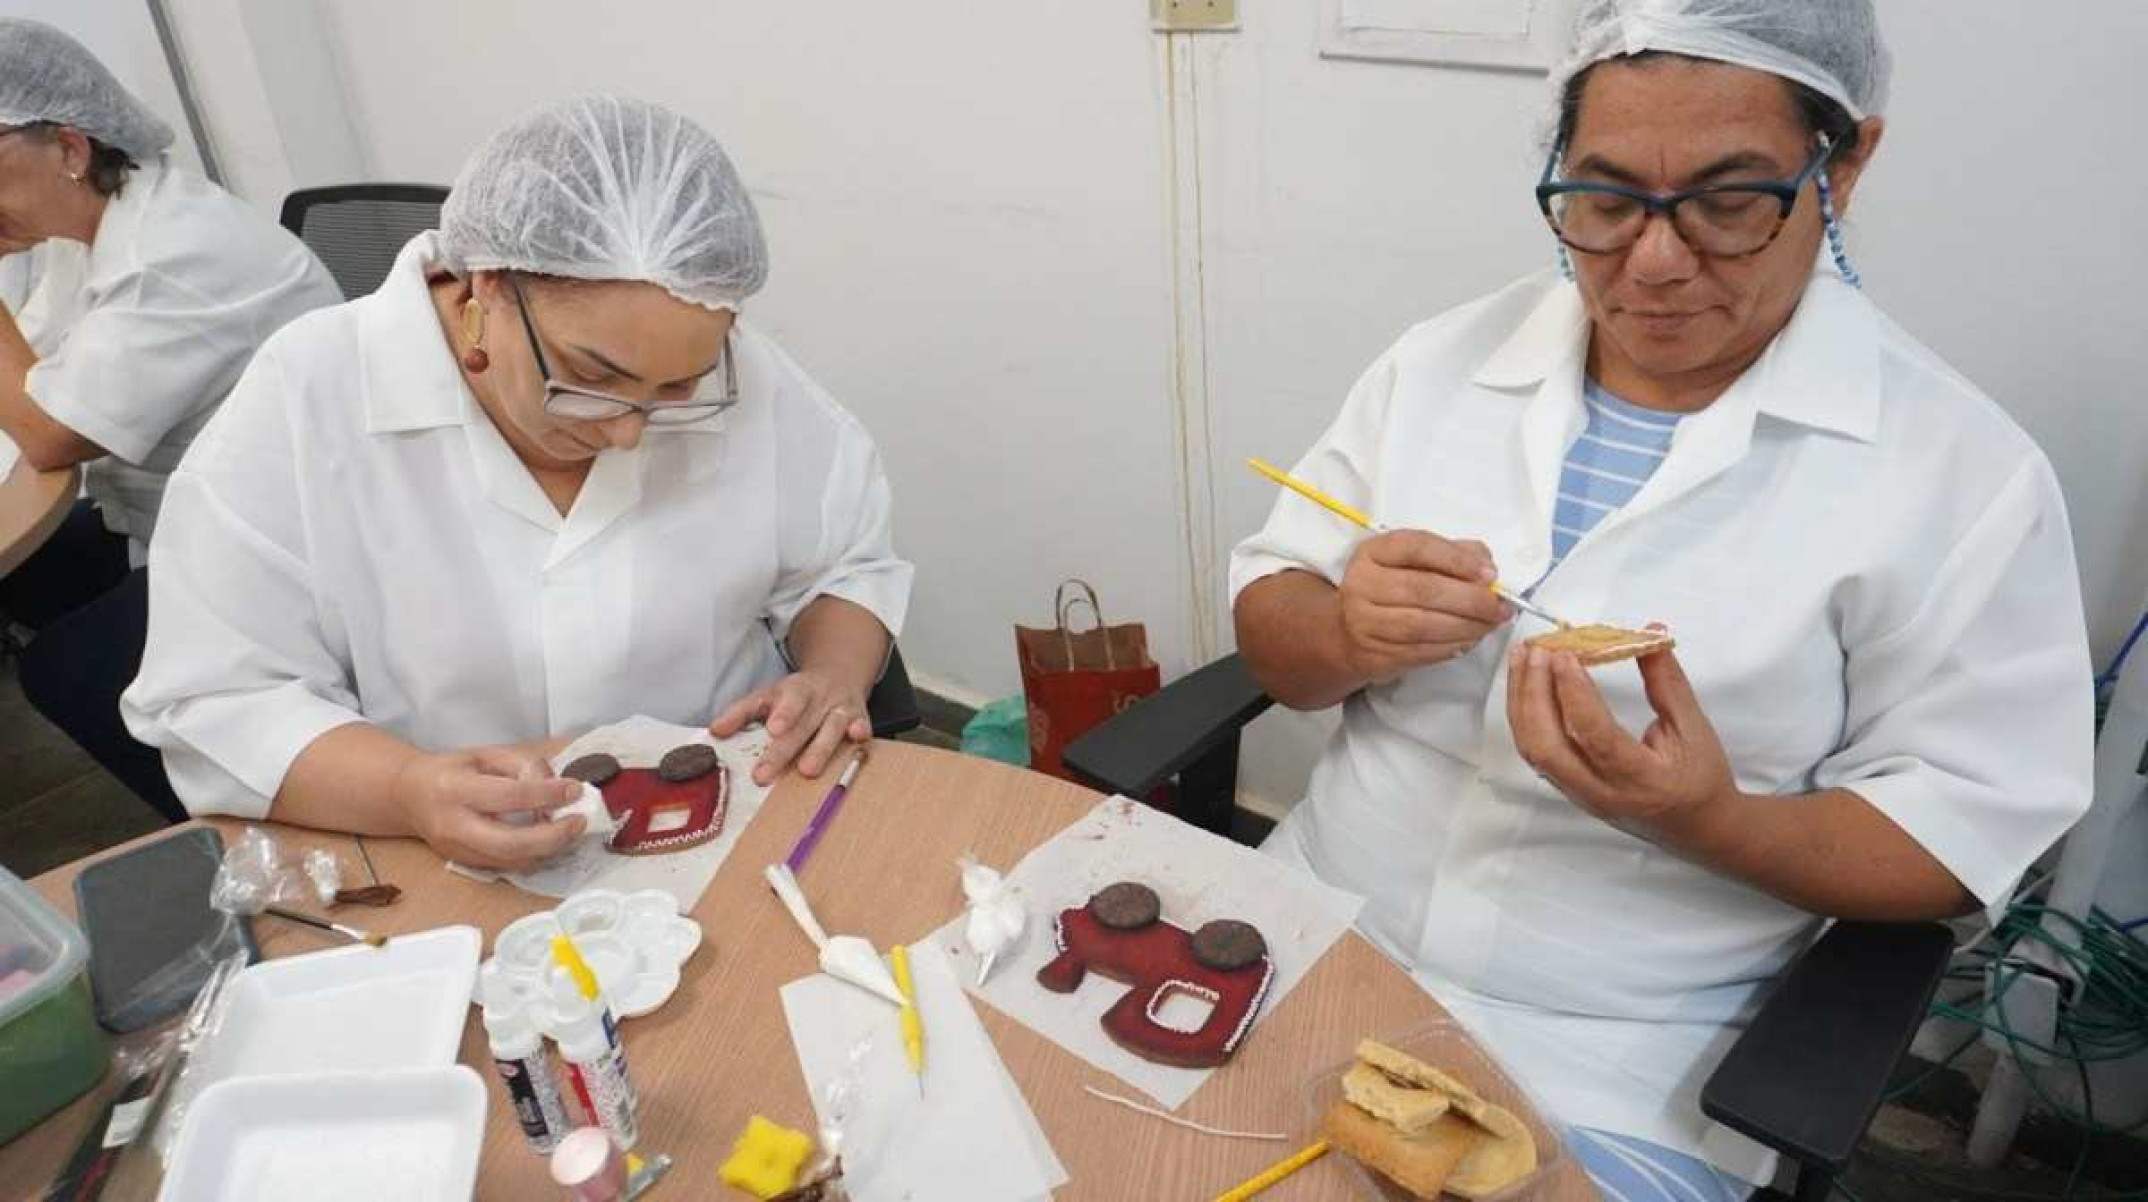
(357, 229)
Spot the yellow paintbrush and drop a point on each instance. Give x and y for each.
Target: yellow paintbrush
(913, 1023)
(1275, 1173)
(1359, 518)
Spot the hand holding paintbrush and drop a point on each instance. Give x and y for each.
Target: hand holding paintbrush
(1429, 552)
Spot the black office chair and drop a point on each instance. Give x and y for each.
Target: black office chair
(893, 704)
(357, 229)
(1808, 1073)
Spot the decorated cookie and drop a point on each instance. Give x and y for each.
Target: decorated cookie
(1158, 960)
(654, 815)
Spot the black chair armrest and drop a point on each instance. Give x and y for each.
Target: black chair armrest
(1810, 1071)
(1198, 713)
(893, 704)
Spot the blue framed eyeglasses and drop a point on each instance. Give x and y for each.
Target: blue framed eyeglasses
(1727, 221)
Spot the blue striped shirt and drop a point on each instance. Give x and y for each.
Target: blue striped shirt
(1622, 447)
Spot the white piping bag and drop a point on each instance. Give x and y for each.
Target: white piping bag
(847, 958)
(996, 914)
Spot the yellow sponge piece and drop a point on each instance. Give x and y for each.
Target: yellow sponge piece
(766, 1159)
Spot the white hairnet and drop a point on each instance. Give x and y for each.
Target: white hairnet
(47, 76)
(606, 188)
(1831, 46)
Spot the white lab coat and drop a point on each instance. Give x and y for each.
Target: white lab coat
(1869, 572)
(352, 539)
(141, 334)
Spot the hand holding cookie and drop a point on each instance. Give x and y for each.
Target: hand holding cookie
(1658, 784)
(1410, 599)
(462, 802)
(809, 716)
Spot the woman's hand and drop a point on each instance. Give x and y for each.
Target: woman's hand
(809, 716)
(1410, 599)
(1663, 786)
(461, 802)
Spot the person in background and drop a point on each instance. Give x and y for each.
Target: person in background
(544, 479)
(1879, 704)
(132, 294)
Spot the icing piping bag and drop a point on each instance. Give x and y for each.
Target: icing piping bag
(845, 957)
(996, 914)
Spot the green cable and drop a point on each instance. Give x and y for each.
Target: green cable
(2102, 1015)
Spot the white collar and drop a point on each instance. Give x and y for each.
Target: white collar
(115, 250)
(1822, 370)
(411, 380)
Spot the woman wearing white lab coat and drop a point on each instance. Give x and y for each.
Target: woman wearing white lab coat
(1878, 706)
(132, 294)
(544, 479)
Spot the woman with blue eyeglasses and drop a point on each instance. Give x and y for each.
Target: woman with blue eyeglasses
(544, 479)
(1878, 706)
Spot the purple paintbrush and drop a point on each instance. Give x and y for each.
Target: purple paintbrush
(825, 814)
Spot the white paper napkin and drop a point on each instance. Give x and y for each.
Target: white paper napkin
(1199, 877)
(969, 1136)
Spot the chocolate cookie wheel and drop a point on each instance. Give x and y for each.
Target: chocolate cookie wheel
(594, 769)
(1126, 906)
(686, 762)
(1227, 945)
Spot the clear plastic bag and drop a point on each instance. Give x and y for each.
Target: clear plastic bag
(326, 873)
(254, 876)
(204, 1020)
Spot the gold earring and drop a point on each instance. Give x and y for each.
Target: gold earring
(475, 360)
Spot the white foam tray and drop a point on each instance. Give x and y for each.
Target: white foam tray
(351, 1009)
(410, 1136)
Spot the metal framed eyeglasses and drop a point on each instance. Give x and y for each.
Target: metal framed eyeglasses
(1722, 220)
(716, 393)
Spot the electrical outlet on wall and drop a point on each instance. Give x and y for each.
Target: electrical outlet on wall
(1193, 16)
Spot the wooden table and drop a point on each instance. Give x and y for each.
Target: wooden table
(720, 1050)
(32, 506)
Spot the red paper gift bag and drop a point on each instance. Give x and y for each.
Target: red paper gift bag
(1075, 680)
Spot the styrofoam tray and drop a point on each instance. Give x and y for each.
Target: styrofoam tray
(410, 1136)
(352, 1009)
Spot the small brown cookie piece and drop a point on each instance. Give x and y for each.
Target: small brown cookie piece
(1228, 945)
(686, 762)
(593, 769)
(1596, 646)
(1126, 906)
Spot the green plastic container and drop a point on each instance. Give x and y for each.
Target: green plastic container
(51, 1049)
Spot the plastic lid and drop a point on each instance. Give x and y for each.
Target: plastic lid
(510, 1022)
(588, 1163)
(38, 940)
(578, 1027)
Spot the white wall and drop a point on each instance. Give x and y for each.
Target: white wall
(965, 249)
(969, 211)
